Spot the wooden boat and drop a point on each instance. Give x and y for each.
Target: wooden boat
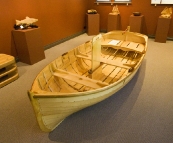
(85, 76)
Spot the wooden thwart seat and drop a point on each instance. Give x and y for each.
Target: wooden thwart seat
(109, 62)
(124, 45)
(79, 79)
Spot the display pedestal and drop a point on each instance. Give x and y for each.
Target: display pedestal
(136, 23)
(93, 24)
(162, 29)
(29, 45)
(113, 22)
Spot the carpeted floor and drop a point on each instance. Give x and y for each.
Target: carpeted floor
(142, 112)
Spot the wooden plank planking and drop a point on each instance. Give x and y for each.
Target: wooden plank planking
(78, 68)
(52, 86)
(131, 59)
(71, 55)
(135, 47)
(125, 74)
(141, 47)
(112, 75)
(65, 60)
(69, 82)
(107, 70)
(64, 85)
(78, 86)
(58, 62)
(85, 88)
(71, 69)
(88, 47)
(65, 88)
(106, 52)
(112, 72)
(132, 46)
(82, 64)
(85, 62)
(81, 49)
(47, 73)
(125, 44)
(75, 71)
(118, 69)
(41, 81)
(119, 75)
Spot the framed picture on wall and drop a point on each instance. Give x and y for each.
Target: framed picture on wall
(113, 1)
(124, 1)
(103, 0)
(118, 1)
(161, 1)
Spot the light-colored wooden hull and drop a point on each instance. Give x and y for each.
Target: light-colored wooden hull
(56, 93)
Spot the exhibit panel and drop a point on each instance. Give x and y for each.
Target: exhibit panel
(103, 0)
(122, 0)
(161, 1)
(114, 1)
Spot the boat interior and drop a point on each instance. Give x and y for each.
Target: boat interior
(78, 70)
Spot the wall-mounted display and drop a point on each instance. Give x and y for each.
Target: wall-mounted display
(122, 1)
(161, 1)
(103, 0)
(115, 1)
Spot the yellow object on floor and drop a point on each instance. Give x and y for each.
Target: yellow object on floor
(8, 69)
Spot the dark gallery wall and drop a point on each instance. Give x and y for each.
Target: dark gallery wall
(57, 19)
(150, 12)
